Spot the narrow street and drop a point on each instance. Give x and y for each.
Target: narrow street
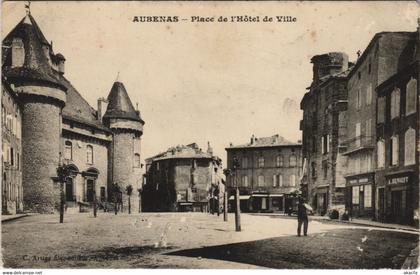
(197, 240)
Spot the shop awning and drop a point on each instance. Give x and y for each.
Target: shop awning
(260, 195)
(276, 195)
(241, 197)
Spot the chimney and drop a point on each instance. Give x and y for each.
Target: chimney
(102, 105)
(209, 149)
(60, 63)
(18, 53)
(252, 139)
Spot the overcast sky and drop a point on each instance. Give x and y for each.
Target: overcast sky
(199, 82)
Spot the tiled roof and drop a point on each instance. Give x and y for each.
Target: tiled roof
(120, 105)
(182, 151)
(36, 65)
(77, 108)
(272, 141)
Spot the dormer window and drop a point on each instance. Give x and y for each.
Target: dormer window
(18, 53)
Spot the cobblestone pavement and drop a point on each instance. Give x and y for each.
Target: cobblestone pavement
(146, 241)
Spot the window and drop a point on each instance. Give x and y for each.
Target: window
(368, 162)
(380, 148)
(89, 154)
(279, 161)
(313, 169)
(395, 103)
(325, 144)
(245, 181)
(359, 99)
(275, 181)
(136, 160)
(355, 195)
(368, 128)
(369, 94)
(394, 150)
(68, 150)
(292, 161)
(411, 97)
(280, 180)
(410, 147)
(157, 166)
(325, 168)
(260, 180)
(293, 180)
(261, 162)
(12, 157)
(367, 195)
(358, 132)
(244, 162)
(381, 110)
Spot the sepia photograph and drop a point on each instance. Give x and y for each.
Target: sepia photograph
(198, 135)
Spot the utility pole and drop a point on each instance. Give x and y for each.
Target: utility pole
(237, 200)
(225, 206)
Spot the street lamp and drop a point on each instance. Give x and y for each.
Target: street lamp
(237, 200)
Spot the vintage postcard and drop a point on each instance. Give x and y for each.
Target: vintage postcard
(210, 135)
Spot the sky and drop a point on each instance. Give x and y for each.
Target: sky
(200, 82)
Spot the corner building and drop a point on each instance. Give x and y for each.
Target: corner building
(57, 125)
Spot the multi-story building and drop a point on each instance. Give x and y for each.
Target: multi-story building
(11, 143)
(102, 147)
(269, 173)
(323, 132)
(183, 178)
(398, 147)
(385, 55)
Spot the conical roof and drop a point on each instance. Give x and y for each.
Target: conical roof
(36, 65)
(119, 104)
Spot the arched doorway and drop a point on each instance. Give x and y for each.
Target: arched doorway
(90, 176)
(70, 187)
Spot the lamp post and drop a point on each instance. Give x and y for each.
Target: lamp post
(237, 200)
(63, 173)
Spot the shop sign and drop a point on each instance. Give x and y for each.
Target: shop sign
(398, 180)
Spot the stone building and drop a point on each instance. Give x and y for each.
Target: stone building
(101, 147)
(11, 119)
(398, 142)
(324, 129)
(385, 55)
(269, 174)
(183, 178)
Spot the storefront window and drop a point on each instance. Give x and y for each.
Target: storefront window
(368, 196)
(355, 195)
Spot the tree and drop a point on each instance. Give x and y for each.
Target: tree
(129, 190)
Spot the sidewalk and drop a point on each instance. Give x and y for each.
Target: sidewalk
(7, 218)
(353, 221)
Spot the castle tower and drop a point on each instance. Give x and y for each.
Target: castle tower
(127, 127)
(27, 65)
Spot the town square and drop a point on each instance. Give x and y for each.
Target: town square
(194, 137)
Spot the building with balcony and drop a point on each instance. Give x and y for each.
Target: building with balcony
(269, 174)
(324, 131)
(385, 55)
(183, 178)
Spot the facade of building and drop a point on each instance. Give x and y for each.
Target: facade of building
(375, 130)
(58, 126)
(385, 55)
(11, 112)
(398, 147)
(324, 128)
(268, 176)
(183, 178)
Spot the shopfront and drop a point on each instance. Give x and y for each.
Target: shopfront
(360, 196)
(396, 199)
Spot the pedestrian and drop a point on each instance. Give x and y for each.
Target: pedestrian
(302, 218)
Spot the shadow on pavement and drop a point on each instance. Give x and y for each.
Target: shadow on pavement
(335, 249)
